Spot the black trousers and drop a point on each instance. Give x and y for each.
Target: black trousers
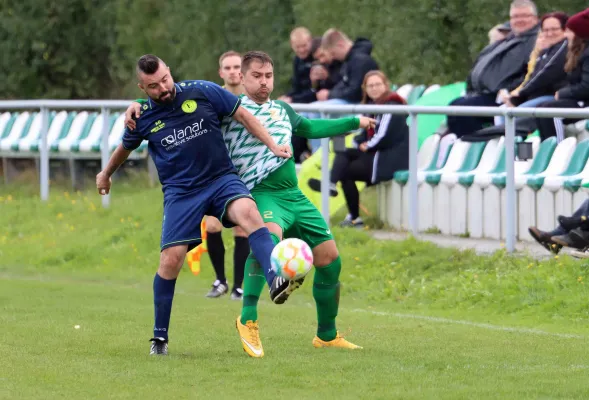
(463, 125)
(349, 167)
(555, 126)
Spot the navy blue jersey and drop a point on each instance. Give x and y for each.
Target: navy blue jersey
(185, 139)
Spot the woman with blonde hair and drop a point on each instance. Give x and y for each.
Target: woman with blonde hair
(379, 152)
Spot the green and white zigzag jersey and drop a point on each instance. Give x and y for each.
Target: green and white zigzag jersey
(253, 160)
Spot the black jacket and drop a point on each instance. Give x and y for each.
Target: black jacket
(334, 71)
(390, 143)
(578, 80)
(302, 91)
(548, 75)
(502, 65)
(357, 63)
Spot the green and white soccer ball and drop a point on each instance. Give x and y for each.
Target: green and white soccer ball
(292, 259)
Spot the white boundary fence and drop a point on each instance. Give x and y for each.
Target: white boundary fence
(412, 111)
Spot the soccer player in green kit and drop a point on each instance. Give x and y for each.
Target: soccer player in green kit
(284, 208)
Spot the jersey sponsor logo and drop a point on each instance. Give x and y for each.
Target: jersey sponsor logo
(189, 106)
(158, 126)
(181, 136)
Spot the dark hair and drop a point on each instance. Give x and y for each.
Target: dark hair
(576, 49)
(315, 44)
(560, 16)
(148, 64)
(252, 56)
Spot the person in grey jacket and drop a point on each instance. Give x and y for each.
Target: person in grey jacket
(502, 65)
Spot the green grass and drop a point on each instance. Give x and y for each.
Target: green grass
(434, 323)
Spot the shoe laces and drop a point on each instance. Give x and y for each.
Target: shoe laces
(253, 331)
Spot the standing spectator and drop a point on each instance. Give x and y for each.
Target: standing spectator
(501, 65)
(380, 151)
(576, 93)
(301, 91)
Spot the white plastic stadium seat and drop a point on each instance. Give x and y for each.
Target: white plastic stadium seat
(431, 89)
(426, 192)
(15, 132)
(397, 205)
(527, 196)
(405, 90)
(74, 133)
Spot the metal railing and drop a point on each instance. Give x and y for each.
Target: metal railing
(412, 111)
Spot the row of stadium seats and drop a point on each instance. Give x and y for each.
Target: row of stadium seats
(461, 186)
(71, 134)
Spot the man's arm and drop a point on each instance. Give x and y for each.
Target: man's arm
(323, 128)
(253, 126)
(103, 180)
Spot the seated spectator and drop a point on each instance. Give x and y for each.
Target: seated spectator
(501, 65)
(576, 93)
(571, 231)
(499, 32)
(380, 151)
(545, 68)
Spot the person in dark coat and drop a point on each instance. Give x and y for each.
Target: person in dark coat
(380, 151)
(576, 93)
(500, 66)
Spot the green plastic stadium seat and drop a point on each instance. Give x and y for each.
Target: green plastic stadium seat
(472, 159)
(539, 163)
(415, 94)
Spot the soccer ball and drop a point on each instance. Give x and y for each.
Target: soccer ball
(292, 259)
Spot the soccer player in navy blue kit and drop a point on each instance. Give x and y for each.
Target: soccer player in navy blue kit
(181, 122)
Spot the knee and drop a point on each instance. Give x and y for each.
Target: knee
(213, 225)
(171, 261)
(325, 254)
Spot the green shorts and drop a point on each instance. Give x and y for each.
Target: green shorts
(294, 213)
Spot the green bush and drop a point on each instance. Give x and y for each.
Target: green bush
(87, 48)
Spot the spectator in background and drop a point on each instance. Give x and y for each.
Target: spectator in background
(356, 63)
(325, 72)
(501, 65)
(380, 151)
(548, 60)
(499, 32)
(576, 93)
(301, 91)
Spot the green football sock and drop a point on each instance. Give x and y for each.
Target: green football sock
(326, 294)
(253, 284)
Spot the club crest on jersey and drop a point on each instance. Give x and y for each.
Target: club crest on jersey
(189, 106)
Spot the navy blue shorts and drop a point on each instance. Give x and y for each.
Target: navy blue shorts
(184, 213)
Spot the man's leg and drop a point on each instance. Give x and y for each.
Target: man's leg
(359, 170)
(164, 283)
(463, 125)
(240, 254)
(216, 250)
(549, 127)
(312, 228)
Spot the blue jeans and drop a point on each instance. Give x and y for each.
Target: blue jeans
(316, 143)
(530, 103)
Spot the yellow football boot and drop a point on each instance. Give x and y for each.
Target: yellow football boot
(339, 341)
(250, 338)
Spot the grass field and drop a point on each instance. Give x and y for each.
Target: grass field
(434, 323)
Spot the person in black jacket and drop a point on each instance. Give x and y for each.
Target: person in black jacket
(576, 93)
(501, 65)
(301, 91)
(380, 151)
(356, 60)
(548, 75)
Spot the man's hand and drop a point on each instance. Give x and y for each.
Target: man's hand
(363, 147)
(281, 150)
(556, 96)
(366, 122)
(103, 182)
(318, 73)
(323, 95)
(133, 109)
